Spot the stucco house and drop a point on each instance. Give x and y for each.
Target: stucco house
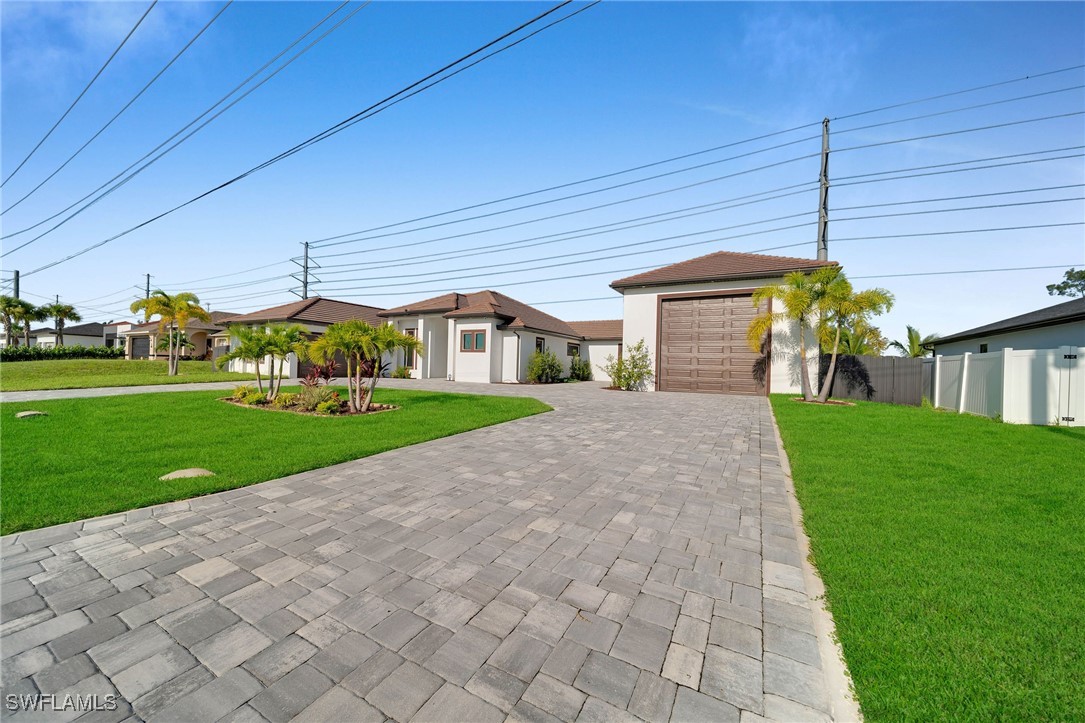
(141, 340)
(90, 334)
(693, 315)
(486, 336)
(315, 314)
(1048, 328)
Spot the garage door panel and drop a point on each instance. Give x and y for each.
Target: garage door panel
(703, 346)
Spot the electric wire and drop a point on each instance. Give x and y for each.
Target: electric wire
(82, 92)
(959, 132)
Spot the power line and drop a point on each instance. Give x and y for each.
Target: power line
(964, 271)
(961, 231)
(321, 136)
(960, 163)
(82, 93)
(223, 276)
(958, 132)
(122, 110)
(191, 123)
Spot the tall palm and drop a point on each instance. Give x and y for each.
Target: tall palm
(186, 307)
(251, 345)
(61, 313)
(284, 340)
(799, 296)
(24, 313)
(384, 340)
(841, 306)
(352, 339)
(160, 304)
(8, 306)
(915, 345)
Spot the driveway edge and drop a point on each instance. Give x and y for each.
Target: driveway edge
(844, 706)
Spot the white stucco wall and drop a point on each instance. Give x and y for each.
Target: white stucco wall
(50, 340)
(553, 342)
(1047, 337)
(596, 352)
(640, 321)
(476, 366)
(432, 329)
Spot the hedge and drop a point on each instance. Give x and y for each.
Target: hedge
(40, 353)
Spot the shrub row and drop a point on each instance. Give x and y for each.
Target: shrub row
(41, 353)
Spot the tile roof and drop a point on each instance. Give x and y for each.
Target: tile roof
(516, 314)
(1063, 313)
(720, 266)
(316, 310)
(93, 328)
(599, 329)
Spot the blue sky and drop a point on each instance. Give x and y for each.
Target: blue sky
(620, 85)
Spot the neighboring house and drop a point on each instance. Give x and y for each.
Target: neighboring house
(115, 332)
(1050, 328)
(315, 314)
(91, 334)
(602, 339)
(693, 316)
(483, 336)
(141, 340)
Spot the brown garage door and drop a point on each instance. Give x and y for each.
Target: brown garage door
(703, 348)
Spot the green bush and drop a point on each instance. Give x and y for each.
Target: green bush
(543, 367)
(633, 372)
(254, 398)
(579, 369)
(285, 400)
(402, 373)
(329, 407)
(241, 391)
(41, 353)
(311, 397)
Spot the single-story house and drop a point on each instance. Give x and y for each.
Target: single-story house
(90, 334)
(693, 316)
(486, 336)
(602, 339)
(115, 332)
(315, 314)
(1049, 328)
(141, 340)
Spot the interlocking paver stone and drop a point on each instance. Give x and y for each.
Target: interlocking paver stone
(626, 553)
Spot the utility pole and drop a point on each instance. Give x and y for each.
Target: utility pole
(305, 273)
(16, 289)
(147, 288)
(823, 202)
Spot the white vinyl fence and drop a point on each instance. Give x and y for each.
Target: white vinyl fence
(1026, 386)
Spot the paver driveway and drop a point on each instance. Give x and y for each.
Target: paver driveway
(623, 556)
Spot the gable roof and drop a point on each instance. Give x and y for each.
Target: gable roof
(598, 329)
(1064, 313)
(515, 314)
(720, 266)
(316, 310)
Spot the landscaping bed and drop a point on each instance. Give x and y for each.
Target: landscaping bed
(951, 547)
(92, 373)
(91, 457)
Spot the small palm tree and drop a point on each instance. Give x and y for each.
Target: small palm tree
(252, 345)
(862, 339)
(915, 345)
(61, 313)
(352, 339)
(8, 307)
(384, 340)
(174, 312)
(24, 314)
(841, 306)
(284, 340)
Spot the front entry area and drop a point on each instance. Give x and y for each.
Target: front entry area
(702, 345)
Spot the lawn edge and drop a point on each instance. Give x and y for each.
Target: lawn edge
(843, 702)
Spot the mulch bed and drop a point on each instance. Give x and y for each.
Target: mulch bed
(344, 409)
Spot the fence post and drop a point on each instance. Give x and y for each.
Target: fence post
(1007, 387)
(934, 379)
(964, 382)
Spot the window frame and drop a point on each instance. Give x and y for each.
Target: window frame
(473, 333)
(540, 344)
(409, 356)
(569, 347)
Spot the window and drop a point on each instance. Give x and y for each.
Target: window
(573, 350)
(540, 344)
(983, 348)
(473, 340)
(410, 354)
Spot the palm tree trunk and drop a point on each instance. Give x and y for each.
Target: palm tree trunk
(350, 386)
(279, 379)
(60, 331)
(823, 394)
(26, 333)
(372, 388)
(804, 370)
(259, 379)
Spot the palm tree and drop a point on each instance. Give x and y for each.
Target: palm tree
(252, 345)
(384, 340)
(61, 313)
(862, 339)
(800, 296)
(841, 306)
(174, 312)
(8, 306)
(352, 339)
(24, 313)
(914, 346)
(284, 340)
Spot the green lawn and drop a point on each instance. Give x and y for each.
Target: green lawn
(953, 552)
(95, 456)
(87, 373)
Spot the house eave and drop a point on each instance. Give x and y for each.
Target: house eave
(965, 336)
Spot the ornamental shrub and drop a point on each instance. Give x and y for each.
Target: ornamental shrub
(579, 369)
(329, 407)
(633, 372)
(241, 391)
(402, 373)
(285, 400)
(41, 353)
(254, 398)
(311, 397)
(543, 367)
